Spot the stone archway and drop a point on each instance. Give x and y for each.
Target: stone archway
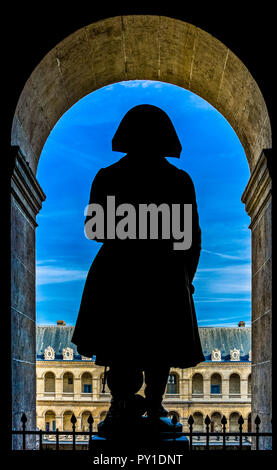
(121, 48)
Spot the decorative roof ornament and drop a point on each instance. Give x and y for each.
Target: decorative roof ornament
(216, 355)
(67, 354)
(235, 354)
(49, 354)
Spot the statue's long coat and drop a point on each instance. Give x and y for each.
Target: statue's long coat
(137, 304)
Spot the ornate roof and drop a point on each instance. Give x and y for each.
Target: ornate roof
(224, 339)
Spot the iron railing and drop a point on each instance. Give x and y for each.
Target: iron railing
(196, 438)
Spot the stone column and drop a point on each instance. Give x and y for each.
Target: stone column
(225, 389)
(40, 387)
(257, 198)
(244, 389)
(206, 388)
(26, 201)
(77, 388)
(185, 389)
(59, 388)
(59, 422)
(41, 422)
(96, 387)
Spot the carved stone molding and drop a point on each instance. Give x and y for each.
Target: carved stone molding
(67, 354)
(49, 354)
(259, 187)
(25, 188)
(234, 354)
(216, 355)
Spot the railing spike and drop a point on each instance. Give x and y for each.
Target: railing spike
(224, 420)
(207, 420)
(257, 420)
(240, 420)
(23, 418)
(90, 419)
(73, 419)
(190, 420)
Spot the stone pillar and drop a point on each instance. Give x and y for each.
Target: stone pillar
(225, 389)
(40, 387)
(26, 201)
(244, 389)
(257, 198)
(77, 388)
(96, 386)
(59, 422)
(185, 389)
(59, 388)
(41, 422)
(206, 388)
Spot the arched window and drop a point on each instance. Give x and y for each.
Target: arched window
(174, 413)
(68, 383)
(215, 384)
(49, 382)
(198, 424)
(84, 421)
(234, 384)
(216, 425)
(197, 384)
(50, 421)
(233, 422)
(172, 384)
(249, 386)
(86, 383)
(67, 425)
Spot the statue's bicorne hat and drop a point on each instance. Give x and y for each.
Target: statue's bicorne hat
(147, 128)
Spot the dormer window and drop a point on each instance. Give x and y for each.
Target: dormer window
(216, 355)
(49, 353)
(67, 354)
(235, 355)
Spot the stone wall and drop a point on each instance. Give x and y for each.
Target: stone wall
(258, 203)
(26, 199)
(185, 403)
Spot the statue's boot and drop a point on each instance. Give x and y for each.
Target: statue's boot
(155, 381)
(123, 415)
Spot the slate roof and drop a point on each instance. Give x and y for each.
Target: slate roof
(222, 338)
(58, 337)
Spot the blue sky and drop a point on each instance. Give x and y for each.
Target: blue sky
(80, 144)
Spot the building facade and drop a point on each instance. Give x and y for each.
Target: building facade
(68, 383)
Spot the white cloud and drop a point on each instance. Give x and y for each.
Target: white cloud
(232, 279)
(56, 274)
(131, 84)
(223, 299)
(222, 255)
(141, 83)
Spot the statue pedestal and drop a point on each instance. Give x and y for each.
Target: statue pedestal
(157, 439)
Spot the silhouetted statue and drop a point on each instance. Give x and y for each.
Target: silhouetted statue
(137, 311)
